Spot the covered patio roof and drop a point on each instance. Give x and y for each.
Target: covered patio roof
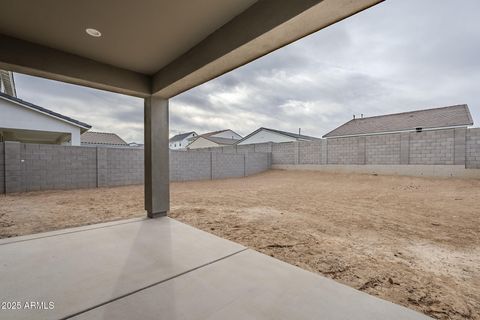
(154, 47)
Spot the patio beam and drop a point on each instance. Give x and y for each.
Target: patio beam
(37, 60)
(264, 27)
(157, 173)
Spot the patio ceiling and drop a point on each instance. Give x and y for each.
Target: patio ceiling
(154, 47)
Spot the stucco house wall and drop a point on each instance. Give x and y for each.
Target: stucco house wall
(201, 142)
(15, 116)
(266, 136)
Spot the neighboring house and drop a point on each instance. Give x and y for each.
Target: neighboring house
(420, 120)
(102, 139)
(26, 122)
(180, 141)
(219, 138)
(263, 135)
(7, 83)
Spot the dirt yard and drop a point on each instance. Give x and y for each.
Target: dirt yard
(413, 241)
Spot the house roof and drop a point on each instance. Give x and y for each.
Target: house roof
(105, 138)
(51, 113)
(218, 140)
(208, 134)
(181, 136)
(444, 117)
(223, 141)
(285, 133)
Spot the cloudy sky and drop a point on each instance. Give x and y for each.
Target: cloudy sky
(398, 56)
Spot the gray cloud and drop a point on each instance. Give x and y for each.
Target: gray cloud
(400, 55)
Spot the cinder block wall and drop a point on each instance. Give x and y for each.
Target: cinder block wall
(284, 153)
(458, 146)
(124, 166)
(2, 168)
(473, 148)
(310, 152)
(432, 147)
(14, 175)
(32, 167)
(257, 162)
(185, 166)
(47, 167)
(228, 165)
(382, 149)
(344, 151)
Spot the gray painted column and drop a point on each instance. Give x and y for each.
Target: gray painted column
(157, 173)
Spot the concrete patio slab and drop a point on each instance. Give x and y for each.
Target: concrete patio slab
(250, 285)
(163, 269)
(84, 267)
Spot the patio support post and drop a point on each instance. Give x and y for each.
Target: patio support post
(157, 173)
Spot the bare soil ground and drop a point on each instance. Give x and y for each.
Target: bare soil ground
(413, 241)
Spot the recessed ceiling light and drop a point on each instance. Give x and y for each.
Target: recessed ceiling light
(93, 32)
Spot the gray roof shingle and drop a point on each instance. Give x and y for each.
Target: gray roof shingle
(285, 133)
(181, 136)
(444, 117)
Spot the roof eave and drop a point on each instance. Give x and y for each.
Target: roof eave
(45, 111)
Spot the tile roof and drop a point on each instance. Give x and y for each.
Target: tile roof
(181, 136)
(102, 138)
(45, 111)
(285, 133)
(458, 115)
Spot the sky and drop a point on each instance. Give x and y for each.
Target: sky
(400, 55)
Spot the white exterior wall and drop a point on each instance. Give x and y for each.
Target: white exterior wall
(202, 143)
(267, 136)
(229, 134)
(181, 144)
(15, 116)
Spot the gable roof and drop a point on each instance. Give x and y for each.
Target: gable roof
(181, 136)
(208, 134)
(105, 138)
(223, 141)
(444, 117)
(217, 140)
(284, 133)
(34, 107)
